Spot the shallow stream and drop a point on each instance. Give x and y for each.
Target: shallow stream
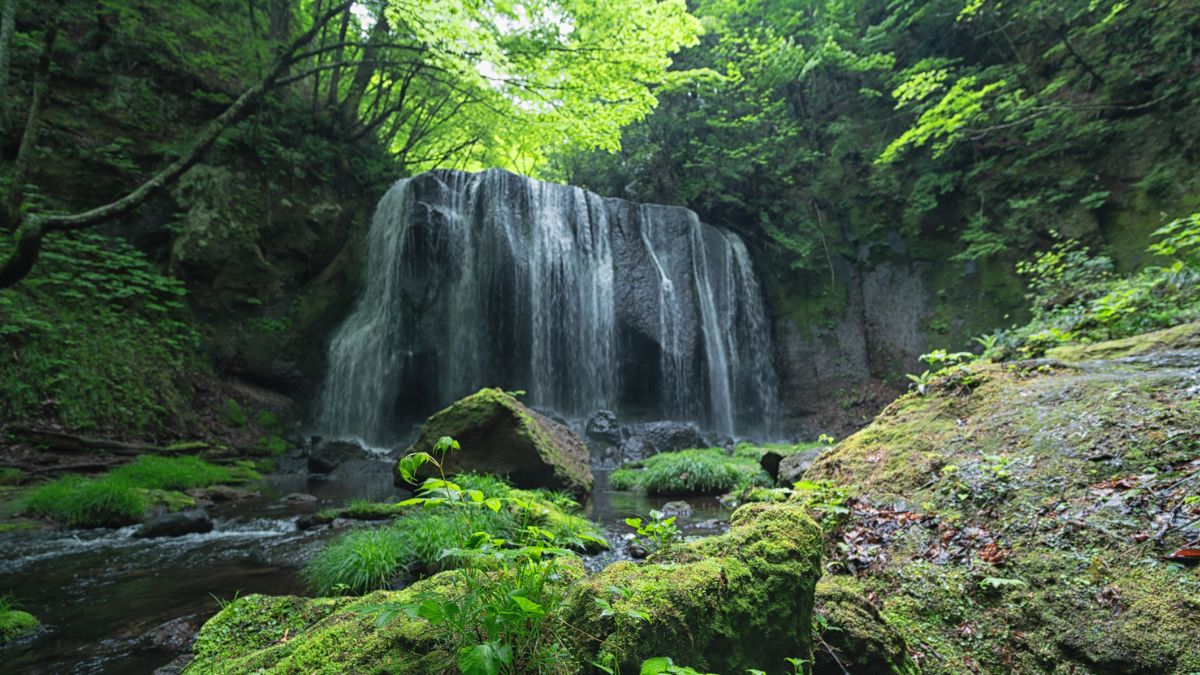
(110, 602)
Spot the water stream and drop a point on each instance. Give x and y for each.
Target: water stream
(101, 593)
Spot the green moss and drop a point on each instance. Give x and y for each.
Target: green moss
(1186, 336)
(176, 473)
(497, 433)
(15, 624)
(299, 635)
(121, 496)
(1053, 471)
(11, 476)
(741, 600)
(853, 628)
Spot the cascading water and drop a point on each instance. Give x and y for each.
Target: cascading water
(585, 302)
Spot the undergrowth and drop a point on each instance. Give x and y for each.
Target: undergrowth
(95, 338)
(1076, 296)
(413, 545)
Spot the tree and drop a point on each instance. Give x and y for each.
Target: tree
(439, 81)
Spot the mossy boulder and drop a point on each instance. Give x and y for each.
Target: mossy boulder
(269, 634)
(728, 603)
(1186, 336)
(1024, 523)
(851, 627)
(501, 436)
(16, 624)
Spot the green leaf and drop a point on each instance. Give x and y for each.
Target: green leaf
(485, 659)
(528, 606)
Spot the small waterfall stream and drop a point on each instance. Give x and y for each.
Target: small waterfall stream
(584, 302)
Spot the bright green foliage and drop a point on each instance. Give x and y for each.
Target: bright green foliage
(658, 530)
(689, 472)
(1077, 297)
(87, 502)
(833, 129)
(94, 339)
(177, 473)
(369, 559)
(825, 498)
(415, 544)
(665, 665)
(509, 586)
(122, 495)
(14, 623)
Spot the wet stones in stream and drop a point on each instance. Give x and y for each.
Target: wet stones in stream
(192, 521)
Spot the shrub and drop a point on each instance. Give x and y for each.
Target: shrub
(691, 472)
(82, 502)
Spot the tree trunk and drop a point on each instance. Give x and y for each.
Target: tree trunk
(335, 77)
(33, 123)
(348, 111)
(8, 23)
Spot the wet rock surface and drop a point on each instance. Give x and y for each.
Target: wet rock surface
(192, 521)
(327, 455)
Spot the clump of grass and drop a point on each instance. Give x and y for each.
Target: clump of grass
(82, 502)
(10, 475)
(357, 562)
(122, 495)
(368, 559)
(173, 473)
(691, 472)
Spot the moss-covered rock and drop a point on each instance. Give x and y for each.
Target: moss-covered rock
(1022, 524)
(860, 639)
(501, 436)
(16, 624)
(725, 604)
(1186, 336)
(267, 634)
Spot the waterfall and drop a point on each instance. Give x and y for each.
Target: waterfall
(584, 302)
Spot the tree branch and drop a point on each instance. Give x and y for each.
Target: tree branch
(34, 228)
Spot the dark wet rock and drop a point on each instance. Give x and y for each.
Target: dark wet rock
(298, 446)
(635, 550)
(310, 521)
(770, 463)
(603, 427)
(326, 456)
(299, 498)
(176, 635)
(679, 509)
(176, 666)
(499, 435)
(651, 438)
(793, 467)
(193, 521)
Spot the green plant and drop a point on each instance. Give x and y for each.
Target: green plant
(658, 530)
(497, 622)
(664, 665)
(363, 560)
(828, 499)
(233, 415)
(83, 502)
(175, 473)
(690, 472)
